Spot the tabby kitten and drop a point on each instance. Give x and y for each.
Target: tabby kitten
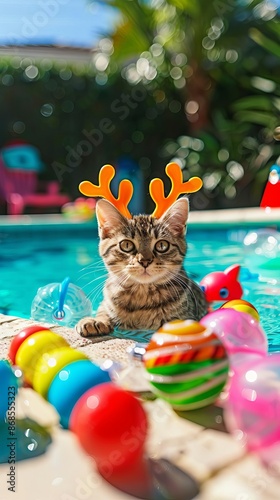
(146, 285)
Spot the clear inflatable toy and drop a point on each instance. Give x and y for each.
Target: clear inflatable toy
(61, 303)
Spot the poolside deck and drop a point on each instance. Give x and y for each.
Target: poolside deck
(198, 444)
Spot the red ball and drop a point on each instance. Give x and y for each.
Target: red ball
(20, 338)
(111, 425)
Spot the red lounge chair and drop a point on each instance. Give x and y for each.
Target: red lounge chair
(19, 167)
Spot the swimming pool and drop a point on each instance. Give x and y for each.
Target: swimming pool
(32, 256)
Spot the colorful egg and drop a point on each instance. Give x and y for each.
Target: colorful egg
(32, 349)
(242, 306)
(186, 364)
(70, 383)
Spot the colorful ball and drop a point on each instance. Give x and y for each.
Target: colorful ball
(33, 348)
(111, 426)
(238, 331)
(70, 383)
(252, 408)
(242, 306)
(20, 338)
(50, 364)
(186, 364)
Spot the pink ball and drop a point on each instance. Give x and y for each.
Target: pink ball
(252, 410)
(238, 331)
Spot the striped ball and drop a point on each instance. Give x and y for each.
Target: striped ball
(186, 364)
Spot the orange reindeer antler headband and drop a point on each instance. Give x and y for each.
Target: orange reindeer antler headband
(156, 188)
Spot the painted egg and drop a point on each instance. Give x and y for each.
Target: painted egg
(242, 306)
(186, 364)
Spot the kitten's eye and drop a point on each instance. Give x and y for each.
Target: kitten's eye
(162, 246)
(127, 246)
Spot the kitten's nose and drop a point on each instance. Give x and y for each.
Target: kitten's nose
(144, 262)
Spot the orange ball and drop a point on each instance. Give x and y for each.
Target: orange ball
(242, 306)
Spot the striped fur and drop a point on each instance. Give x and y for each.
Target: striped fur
(147, 284)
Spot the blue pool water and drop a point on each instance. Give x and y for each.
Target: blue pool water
(33, 257)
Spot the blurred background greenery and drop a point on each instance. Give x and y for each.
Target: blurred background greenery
(195, 81)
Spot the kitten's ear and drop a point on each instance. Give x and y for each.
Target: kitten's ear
(109, 218)
(175, 218)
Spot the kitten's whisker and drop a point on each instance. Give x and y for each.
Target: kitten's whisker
(93, 265)
(93, 272)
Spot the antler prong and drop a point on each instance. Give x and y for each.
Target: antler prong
(178, 187)
(103, 190)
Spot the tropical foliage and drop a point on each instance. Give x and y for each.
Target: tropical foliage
(198, 81)
(223, 58)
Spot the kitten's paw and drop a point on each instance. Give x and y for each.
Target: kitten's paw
(88, 327)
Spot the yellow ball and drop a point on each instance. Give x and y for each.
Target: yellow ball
(242, 306)
(50, 364)
(33, 348)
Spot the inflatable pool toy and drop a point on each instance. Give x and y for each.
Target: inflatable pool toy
(61, 303)
(242, 306)
(239, 331)
(81, 209)
(186, 364)
(58, 372)
(222, 285)
(253, 405)
(262, 251)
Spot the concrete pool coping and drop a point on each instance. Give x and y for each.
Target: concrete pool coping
(212, 219)
(197, 444)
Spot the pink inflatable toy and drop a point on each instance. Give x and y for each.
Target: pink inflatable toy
(222, 285)
(252, 410)
(238, 331)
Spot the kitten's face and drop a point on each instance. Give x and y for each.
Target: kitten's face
(143, 249)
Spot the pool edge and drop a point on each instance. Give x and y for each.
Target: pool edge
(197, 219)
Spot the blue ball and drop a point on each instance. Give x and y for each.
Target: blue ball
(70, 383)
(8, 388)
